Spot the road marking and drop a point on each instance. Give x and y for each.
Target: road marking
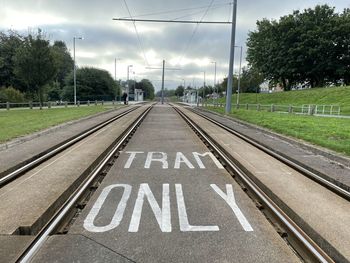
(181, 158)
(163, 215)
(183, 219)
(131, 158)
(163, 159)
(118, 215)
(230, 200)
(200, 163)
(151, 159)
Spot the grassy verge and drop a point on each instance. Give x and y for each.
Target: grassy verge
(331, 133)
(339, 96)
(15, 123)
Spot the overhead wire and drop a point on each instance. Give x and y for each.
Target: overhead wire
(198, 12)
(177, 10)
(194, 31)
(137, 34)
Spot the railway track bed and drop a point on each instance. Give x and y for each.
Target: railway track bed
(180, 189)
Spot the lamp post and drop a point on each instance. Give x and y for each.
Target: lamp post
(127, 81)
(74, 71)
(239, 74)
(115, 74)
(214, 62)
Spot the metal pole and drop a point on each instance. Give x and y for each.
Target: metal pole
(232, 57)
(127, 82)
(74, 74)
(163, 82)
(203, 88)
(239, 76)
(115, 77)
(215, 77)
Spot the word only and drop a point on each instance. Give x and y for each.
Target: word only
(180, 159)
(162, 214)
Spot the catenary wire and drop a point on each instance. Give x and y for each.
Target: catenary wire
(137, 34)
(177, 10)
(194, 32)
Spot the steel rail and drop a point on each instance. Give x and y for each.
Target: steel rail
(316, 253)
(324, 182)
(19, 171)
(72, 200)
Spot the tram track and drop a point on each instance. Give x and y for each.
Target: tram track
(284, 159)
(76, 200)
(20, 169)
(288, 229)
(300, 241)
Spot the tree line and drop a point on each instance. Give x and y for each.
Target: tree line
(32, 69)
(310, 47)
(250, 81)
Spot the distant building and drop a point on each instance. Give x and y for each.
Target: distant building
(138, 95)
(264, 87)
(190, 96)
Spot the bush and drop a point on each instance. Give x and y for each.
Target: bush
(11, 94)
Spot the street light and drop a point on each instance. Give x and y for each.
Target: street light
(115, 73)
(214, 75)
(74, 71)
(127, 81)
(239, 75)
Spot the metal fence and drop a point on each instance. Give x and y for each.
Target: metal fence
(55, 104)
(304, 109)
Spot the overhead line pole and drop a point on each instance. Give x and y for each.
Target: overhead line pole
(163, 68)
(163, 82)
(232, 57)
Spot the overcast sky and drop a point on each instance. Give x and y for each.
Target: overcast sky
(105, 39)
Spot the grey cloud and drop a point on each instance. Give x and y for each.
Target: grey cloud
(109, 39)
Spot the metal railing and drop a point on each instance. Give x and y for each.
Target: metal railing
(56, 104)
(308, 109)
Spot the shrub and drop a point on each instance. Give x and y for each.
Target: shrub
(11, 94)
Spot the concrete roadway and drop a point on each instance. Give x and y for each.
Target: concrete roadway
(164, 202)
(305, 201)
(29, 201)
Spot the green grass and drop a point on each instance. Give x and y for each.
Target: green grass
(318, 96)
(16, 123)
(331, 133)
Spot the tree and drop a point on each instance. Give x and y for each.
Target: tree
(308, 46)
(9, 43)
(10, 94)
(92, 84)
(250, 80)
(180, 91)
(63, 61)
(167, 93)
(147, 87)
(343, 44)
(35, 64)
